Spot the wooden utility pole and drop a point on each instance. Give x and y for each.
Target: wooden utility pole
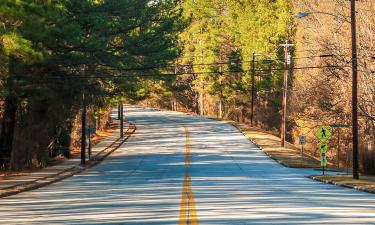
(252, 90)
(221, 91)
(285, 91)
(174, 98)
(201, 97)
(354, 91)
(202, 90)
(196, 97)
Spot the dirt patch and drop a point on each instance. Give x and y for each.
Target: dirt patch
(289, 156)
(98, 137)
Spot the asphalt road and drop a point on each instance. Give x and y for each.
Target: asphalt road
(180, 169)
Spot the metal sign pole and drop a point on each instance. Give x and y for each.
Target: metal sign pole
(90, 143)
(83, 134)
(302, 142)
(323, 147)
(347, 158)
(338, 148)
(122, 120)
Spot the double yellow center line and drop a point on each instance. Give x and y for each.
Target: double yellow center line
(188, 214)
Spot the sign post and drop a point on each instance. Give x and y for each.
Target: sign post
(91, 131)
(323, 134)
(90, 144)
(302, 142)
(323, 147)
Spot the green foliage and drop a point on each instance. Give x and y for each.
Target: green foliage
(231, 31)
(56, 51)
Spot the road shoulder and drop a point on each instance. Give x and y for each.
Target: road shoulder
(17, 184)
(365, 183)
(289, 156)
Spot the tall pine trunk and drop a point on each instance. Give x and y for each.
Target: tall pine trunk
(7, 131)
(9, 117)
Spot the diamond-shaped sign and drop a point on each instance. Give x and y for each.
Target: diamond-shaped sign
(323, 133)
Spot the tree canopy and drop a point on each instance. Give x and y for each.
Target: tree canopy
(55, 51)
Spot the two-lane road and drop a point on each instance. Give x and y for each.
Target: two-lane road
(180, 169)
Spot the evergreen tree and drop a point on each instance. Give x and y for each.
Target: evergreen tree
(59, 50)
(230, 31)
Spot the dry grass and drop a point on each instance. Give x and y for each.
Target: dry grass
(366, 183)
(289, 156)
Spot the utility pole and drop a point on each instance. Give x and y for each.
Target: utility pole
(174, 99)
(354, 91)
(196, 97)
(201, 81)
(121, 120)
(252, 90)
(221, 91)
(287, 62)
(202, 91)
(83, 138)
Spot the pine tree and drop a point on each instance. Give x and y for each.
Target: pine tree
(222, 31)
(66, 48)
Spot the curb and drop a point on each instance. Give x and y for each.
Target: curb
(342, 185)
(258, 146)
(42, 182)
(32, 185)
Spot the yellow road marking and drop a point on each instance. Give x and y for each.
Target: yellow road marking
(187, 153)
(188, 214)
(183, 213)
(192, 210)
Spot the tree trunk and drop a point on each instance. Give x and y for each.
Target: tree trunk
(7, 131)
(9, 116)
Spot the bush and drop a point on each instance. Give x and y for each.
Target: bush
(61, 143)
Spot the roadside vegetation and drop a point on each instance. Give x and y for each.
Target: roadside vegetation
(216, 68)
(56, 56)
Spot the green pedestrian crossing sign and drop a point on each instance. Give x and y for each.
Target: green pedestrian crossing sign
(323, 148)
(323, 133)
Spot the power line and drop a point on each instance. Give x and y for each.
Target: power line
(244, 56)
(238, 62)
(177, 74)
